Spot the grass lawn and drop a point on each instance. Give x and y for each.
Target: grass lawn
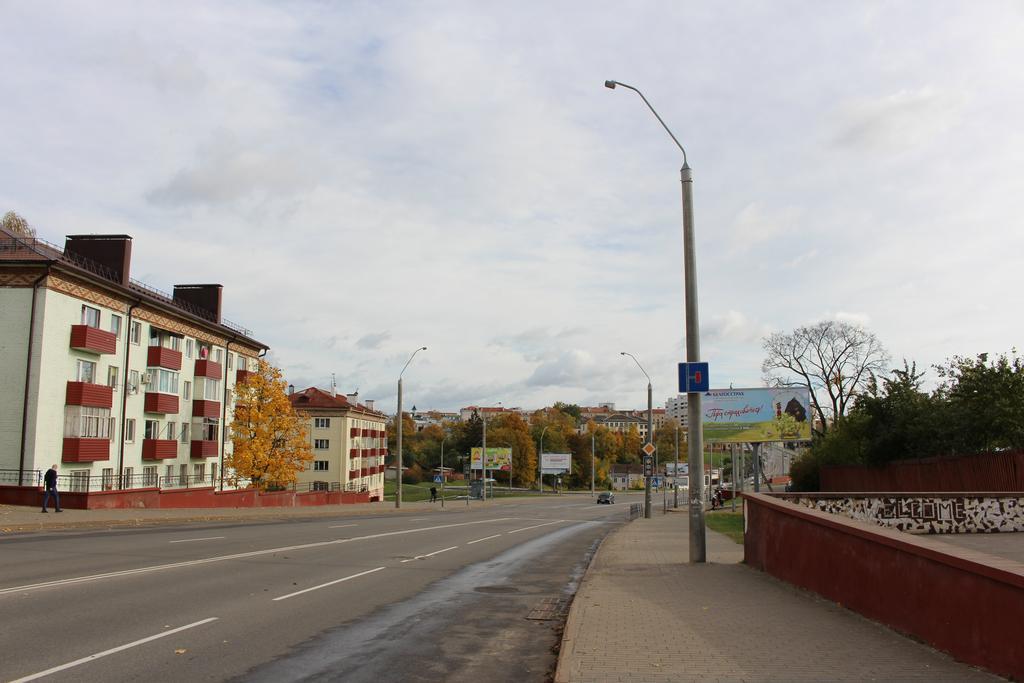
(726, 522)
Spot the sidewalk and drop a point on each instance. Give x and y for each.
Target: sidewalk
(19, 518)
(643, 614)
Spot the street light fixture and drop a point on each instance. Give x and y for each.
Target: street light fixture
(695, 440)
(650, 430)
(398, 459)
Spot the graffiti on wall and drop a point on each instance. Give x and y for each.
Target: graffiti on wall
(938, 514)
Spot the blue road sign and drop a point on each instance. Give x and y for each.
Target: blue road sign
(656, 481)
(437, 478)
(693, 377)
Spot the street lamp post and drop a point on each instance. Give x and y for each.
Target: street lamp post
(443, 477)
(540, 461)
(650, 430)
(398, 458)
(483, 455)
(675, 479)
(698, 546)
(593, 461)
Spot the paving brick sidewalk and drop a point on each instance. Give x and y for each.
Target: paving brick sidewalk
(643, 614)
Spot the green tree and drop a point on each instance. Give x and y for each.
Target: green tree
(984, 402)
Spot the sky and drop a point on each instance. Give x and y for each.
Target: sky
(365, 178)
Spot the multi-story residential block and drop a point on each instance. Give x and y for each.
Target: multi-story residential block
(490, 412)
(125, 386)
(349, 442)
(621, 422)
(675, 409)
(422, 420)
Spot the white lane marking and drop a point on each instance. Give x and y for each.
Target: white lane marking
(417, 519)
(329, 583)
(112, 650)
(235, 556)
(536, 526)
(190, 540)
(423, 557)
(341, 526)
(483, 539)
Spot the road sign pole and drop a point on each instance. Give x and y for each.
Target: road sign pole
(650, 429)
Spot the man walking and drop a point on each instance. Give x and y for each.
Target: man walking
(50, 484)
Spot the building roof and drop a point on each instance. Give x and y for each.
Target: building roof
(19, 249)
(318, 399)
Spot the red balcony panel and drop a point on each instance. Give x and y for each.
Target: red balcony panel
(364, 472)
(161, 403)
(242, 376)
(207, 368)
(92, 339)
(158, 449)
(366, 432)
(203, 449)
(85, 450)
(86, 394)
(354, 432)
(159, 356)
(202, 408)
(353, 453)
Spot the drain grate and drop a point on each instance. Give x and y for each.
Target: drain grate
(549, 609)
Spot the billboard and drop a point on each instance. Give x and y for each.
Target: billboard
(554, 463)
(498, 458)
(757, 415)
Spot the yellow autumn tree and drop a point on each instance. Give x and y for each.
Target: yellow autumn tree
(269, 439)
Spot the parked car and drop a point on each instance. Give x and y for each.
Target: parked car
(606, 497)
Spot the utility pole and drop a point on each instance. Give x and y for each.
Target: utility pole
(675, 479)
(593, 460)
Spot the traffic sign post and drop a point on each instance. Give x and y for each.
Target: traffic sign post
(648, 466)
(693, 377)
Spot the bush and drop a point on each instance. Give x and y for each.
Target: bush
(413, 475)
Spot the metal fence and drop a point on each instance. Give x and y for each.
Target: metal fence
(26, 478)
(89, 482)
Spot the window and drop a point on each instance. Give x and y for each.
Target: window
(322, 422)
(186, 391)
(111, 427)
(164, 381)
(204, 351)
(152, 429)
(108, 478)
(129, 430)
(172, 431)
(135, 337)
(208, 389)
(188, 348)
(149, 476)
(85, 371)
(213, 473)
(79, 481)
(242, 363)
(321, 444)
(86, 422)
(217, 353)
(133, 381)
(173, 341)
(231, 358)
(115, 325)
(90, 316)
(199, 472)
(206, 428)
(112, 374)
(168, 474)
(184, 432)
(183, 475)
(320, 465)
(126, 480)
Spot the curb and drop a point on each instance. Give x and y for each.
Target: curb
(566, 642)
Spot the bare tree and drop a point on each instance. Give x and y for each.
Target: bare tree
(13, 223)
(833, 359)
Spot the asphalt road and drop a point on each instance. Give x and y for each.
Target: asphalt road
(459, 594)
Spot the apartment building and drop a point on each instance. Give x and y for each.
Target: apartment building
(349, 442)
(124, 385)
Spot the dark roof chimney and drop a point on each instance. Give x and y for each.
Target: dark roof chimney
(206, 298)
(112, 252)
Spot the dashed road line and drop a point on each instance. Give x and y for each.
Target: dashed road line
(486, 538)
(329, 583)
(423, 557)
(190, 540)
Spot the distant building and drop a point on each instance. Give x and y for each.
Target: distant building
(349, 443)
(675, 409)
(621, 422)
(625, 477)
(422, 420)
(465, 414)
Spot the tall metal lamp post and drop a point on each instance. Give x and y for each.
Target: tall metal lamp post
(483, 454)
(540, 460)
(398, 458)
(650, 434)
(695, 436)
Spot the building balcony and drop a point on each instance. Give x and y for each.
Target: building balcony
(353, 453)
(92, 339)
(207, 368)
(87, 394)
(242, 376)
(201, 408)
(364, 472)
(166, 404)
(163, 357)
(366, 432)
(354, 432)
(159, 449)
(203, 449)
(85, 450)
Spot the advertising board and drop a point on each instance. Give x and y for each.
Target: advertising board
(554, 463)
(758, 415)
(498, 458)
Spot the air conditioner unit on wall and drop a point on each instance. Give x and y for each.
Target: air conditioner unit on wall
(147, 377)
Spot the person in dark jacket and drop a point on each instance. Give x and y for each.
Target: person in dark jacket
(50, 484)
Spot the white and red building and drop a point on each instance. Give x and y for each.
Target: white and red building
(124, 386)
(349, 442)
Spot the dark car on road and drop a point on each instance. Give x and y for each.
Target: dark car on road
(606, 497)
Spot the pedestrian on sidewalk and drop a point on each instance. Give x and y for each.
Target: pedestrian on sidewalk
(50, 485)
(433, 494)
